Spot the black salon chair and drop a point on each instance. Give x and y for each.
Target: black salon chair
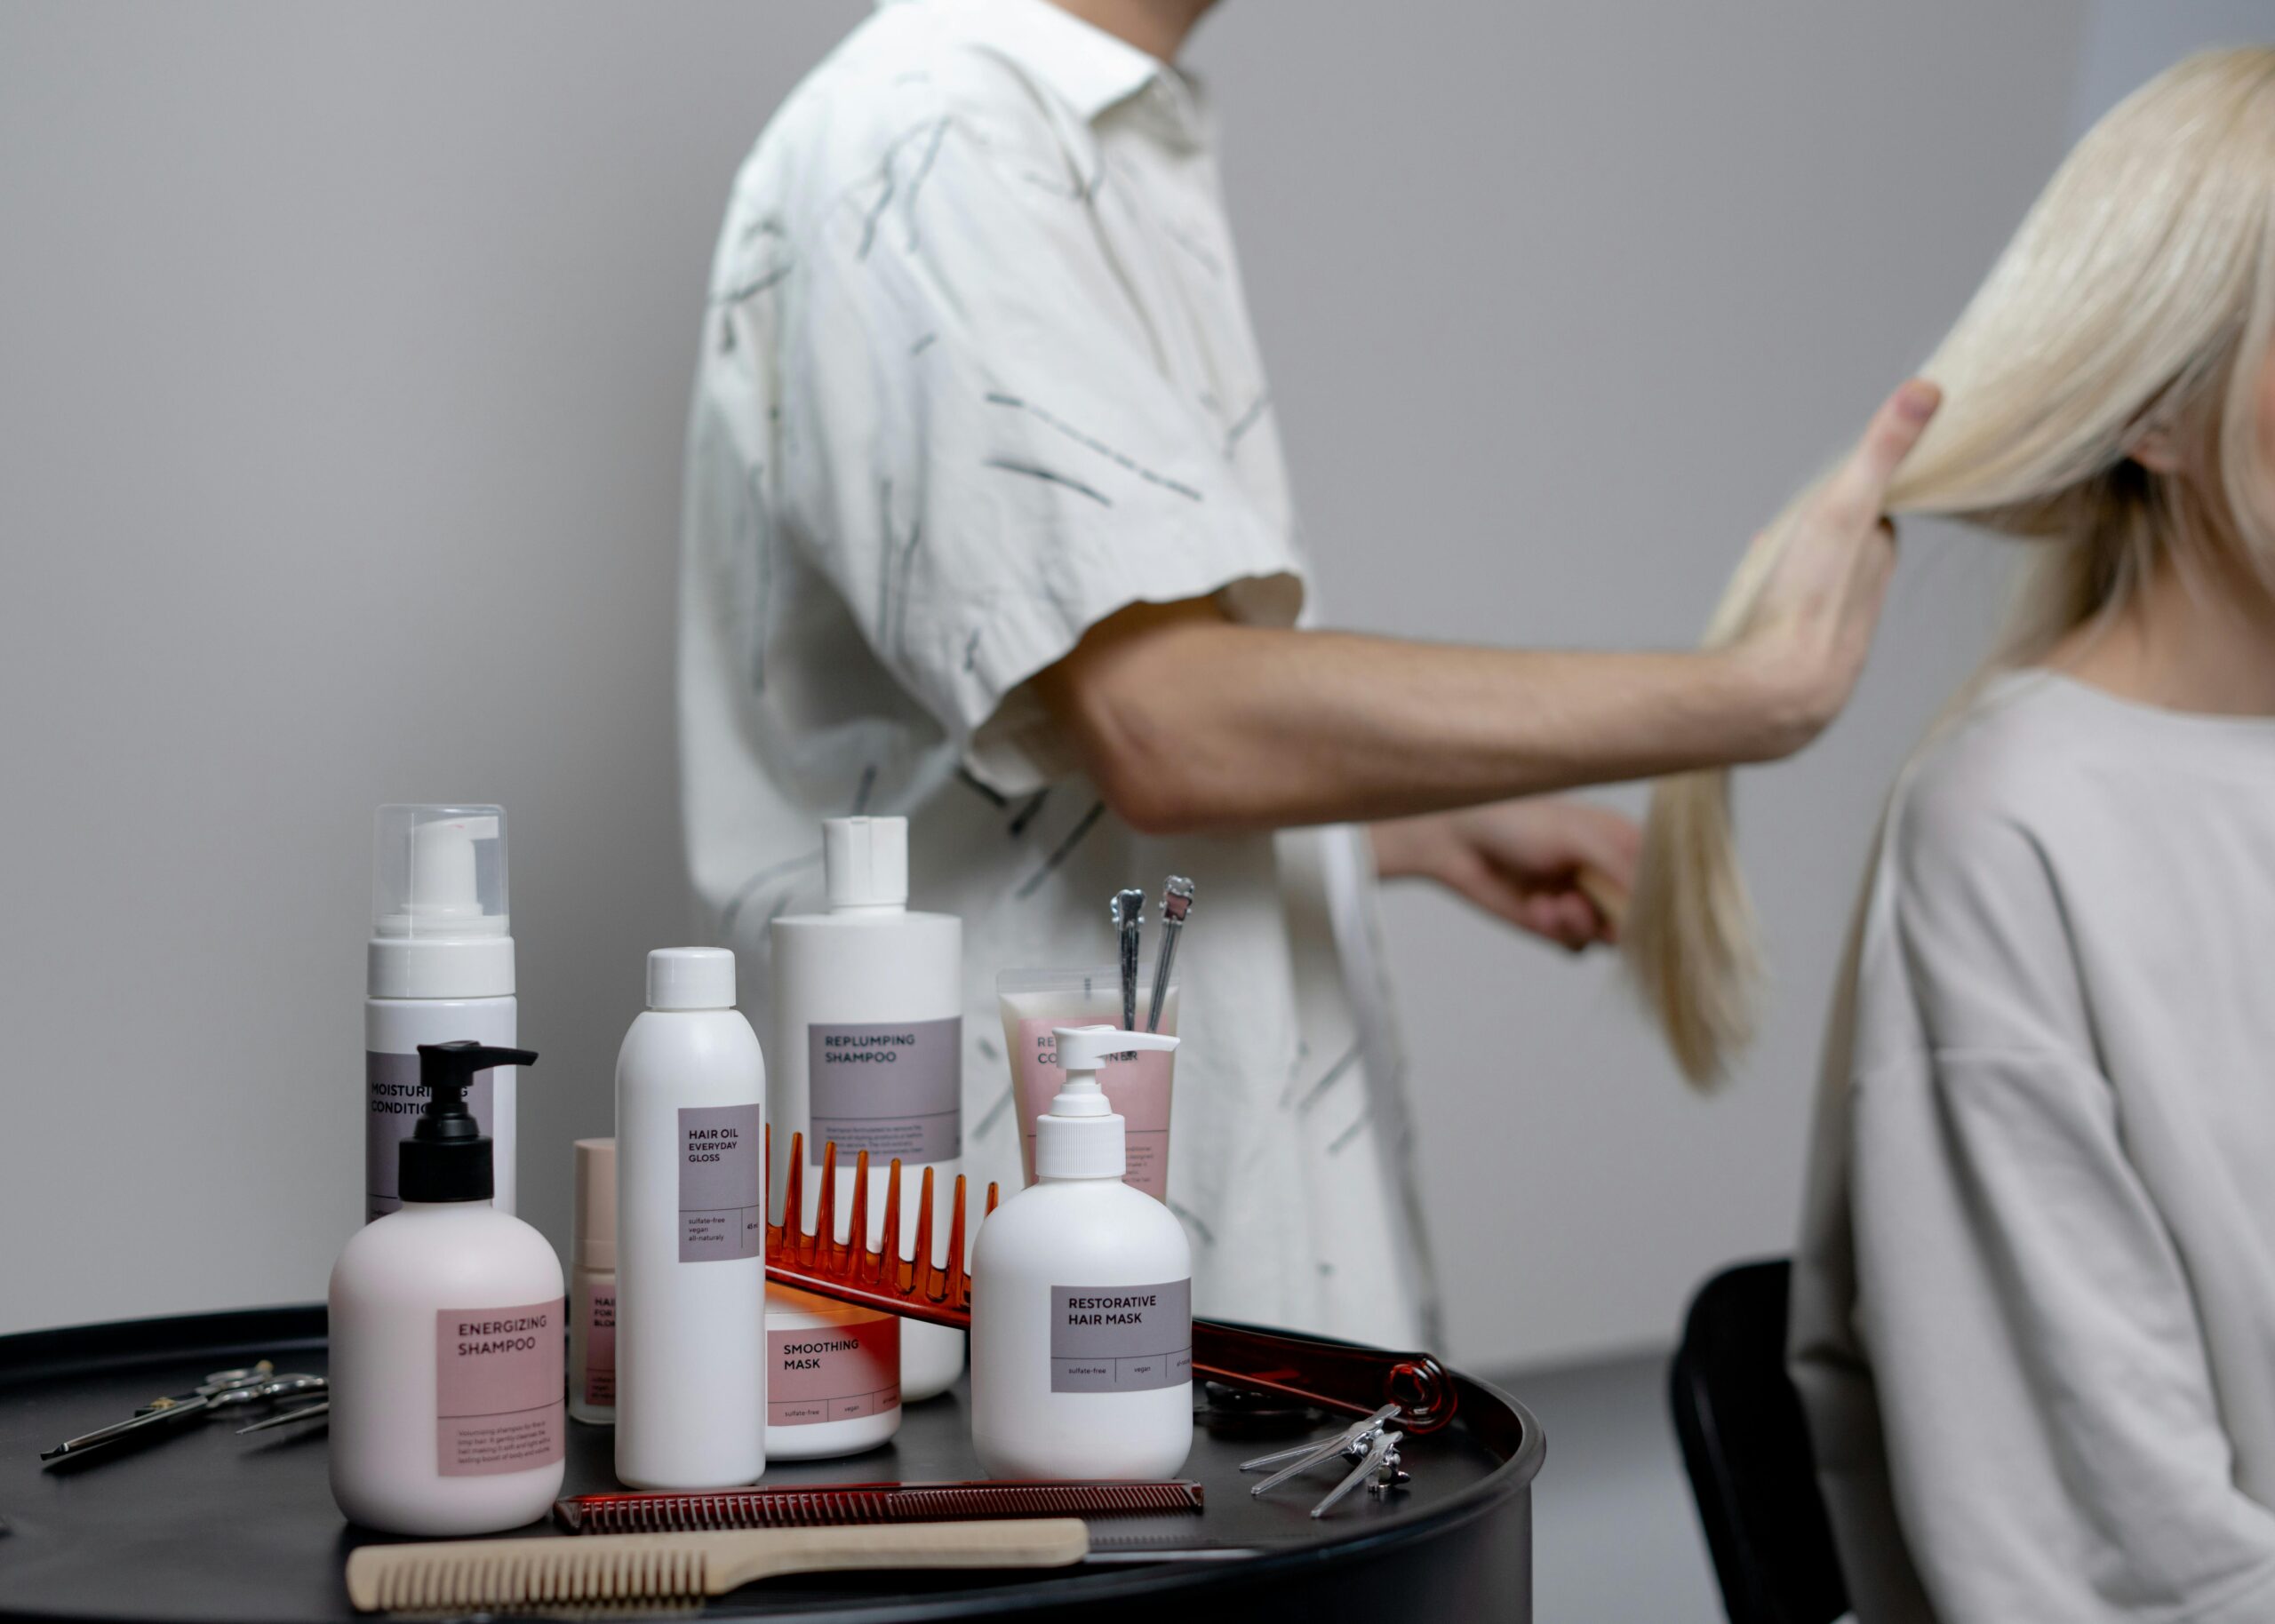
(1747, 1452)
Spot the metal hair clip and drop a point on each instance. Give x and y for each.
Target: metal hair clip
(1350, 1443)
(1129, 919)
(1371, 1445)
(1382, 1462)
(1176, 902)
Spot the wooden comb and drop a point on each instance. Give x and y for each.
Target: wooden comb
(1340, 1376)
(616, 1570)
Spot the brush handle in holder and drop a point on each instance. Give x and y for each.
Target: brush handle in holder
(1345, 1376)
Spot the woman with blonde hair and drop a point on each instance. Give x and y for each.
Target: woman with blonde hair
(2034, 1305)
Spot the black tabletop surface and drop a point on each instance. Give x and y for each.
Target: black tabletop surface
(206, 1524)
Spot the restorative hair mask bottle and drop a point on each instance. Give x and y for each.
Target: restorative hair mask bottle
(446, 1330)
(868, 1051)
(439, 968)
(691, 1232)
(1082, 1299)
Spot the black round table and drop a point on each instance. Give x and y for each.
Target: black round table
(201, 1524)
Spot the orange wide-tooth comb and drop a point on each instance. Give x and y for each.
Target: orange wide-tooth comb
(1332, 1375)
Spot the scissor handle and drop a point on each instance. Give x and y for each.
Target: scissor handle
(223, 1387)
(261, 1392)
(260, 1371)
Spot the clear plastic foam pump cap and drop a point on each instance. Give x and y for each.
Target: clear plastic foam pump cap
(439, 927)
(439, 872)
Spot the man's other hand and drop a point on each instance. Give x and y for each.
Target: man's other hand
(1559, 869)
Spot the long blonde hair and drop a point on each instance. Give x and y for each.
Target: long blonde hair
(2134, 299)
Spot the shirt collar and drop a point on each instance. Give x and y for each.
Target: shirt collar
(1087, 68)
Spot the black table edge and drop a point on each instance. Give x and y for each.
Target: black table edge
(32, 1355)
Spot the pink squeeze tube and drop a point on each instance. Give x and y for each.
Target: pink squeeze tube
(1137, 1086)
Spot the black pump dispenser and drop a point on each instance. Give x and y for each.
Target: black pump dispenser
(447, 1157)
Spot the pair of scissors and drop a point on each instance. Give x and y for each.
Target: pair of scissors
(257, 1383)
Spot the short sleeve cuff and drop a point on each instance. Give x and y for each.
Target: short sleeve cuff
(1013, 746)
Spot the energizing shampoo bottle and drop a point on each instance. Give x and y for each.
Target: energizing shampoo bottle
(446, 1327)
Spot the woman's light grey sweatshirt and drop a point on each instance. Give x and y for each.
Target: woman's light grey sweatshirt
(2034, 1320)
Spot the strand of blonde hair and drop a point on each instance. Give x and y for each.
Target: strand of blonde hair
(2121, 307)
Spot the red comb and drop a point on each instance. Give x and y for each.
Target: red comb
(1332, 1375)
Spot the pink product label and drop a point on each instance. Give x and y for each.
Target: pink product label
(892, 1088)
(721, 1182)
(394, 1096)
(835, 1373)
(1135, 1085)
(1121, 1339)
(599, 1343)
(498, 1390)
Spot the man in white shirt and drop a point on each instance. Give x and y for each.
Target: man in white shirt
(986, 524)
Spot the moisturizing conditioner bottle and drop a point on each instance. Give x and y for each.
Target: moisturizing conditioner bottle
(1082, 1299)
(439, 969)
(868, 1050)
(691, 1232)
(446, 1336)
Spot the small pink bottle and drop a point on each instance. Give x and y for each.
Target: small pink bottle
(592, 1286)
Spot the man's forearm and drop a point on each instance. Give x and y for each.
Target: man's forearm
(1189, 723)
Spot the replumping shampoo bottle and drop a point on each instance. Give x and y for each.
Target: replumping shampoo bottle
(439, 969)
(446, 1336)
(1081, 1299)
(868, 1050)
(691, 1232)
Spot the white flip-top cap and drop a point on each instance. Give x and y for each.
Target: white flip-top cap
(690, 978)
(1080, 1137)
(864, 862)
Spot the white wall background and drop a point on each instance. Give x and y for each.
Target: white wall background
(343, 360)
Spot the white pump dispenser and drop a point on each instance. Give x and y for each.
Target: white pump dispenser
(440, 966)
(1081, 1299)
(1079, 1137)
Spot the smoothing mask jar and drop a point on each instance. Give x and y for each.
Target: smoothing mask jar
(833, 1376)
(1137, 1087)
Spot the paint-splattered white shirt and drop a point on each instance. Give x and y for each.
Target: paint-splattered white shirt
(976, 372)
